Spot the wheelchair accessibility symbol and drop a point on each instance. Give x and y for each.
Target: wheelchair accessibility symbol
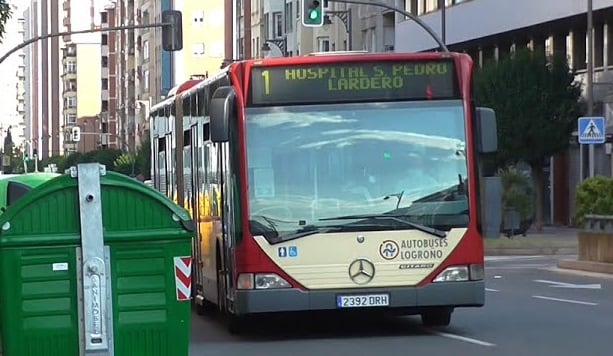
(389, 249)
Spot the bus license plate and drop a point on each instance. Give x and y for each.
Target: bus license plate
(361, 301)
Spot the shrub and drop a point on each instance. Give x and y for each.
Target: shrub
(517, 191)
(594, 196)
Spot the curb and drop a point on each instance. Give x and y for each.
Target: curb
(588, 266)
(530, 251)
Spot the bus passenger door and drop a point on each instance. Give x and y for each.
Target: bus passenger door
(196, 203)
(228, 222)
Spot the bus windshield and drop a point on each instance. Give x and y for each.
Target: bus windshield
(317, 165)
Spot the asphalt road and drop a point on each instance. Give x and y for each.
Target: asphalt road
(531, 309)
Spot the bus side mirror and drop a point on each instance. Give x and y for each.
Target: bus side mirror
(486, 133)
(222, 111)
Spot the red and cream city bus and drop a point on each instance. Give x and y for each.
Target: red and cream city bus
(327, 182)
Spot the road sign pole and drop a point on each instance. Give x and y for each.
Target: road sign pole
(581, 163)
(591, 132)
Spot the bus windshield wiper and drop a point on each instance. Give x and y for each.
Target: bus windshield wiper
(308, 230)
(397, 218)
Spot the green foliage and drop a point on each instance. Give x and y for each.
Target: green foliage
(107, 157)
(143, 158)
(594, 196)
(536, 100)
(517, 191)
(5, 14)
(123, 164)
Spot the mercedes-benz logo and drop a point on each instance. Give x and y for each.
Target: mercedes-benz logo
(361, 271)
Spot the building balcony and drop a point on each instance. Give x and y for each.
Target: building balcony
(69, 94)
(69, 75)
(70, 51)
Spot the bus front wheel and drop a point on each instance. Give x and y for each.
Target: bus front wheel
(438, 317)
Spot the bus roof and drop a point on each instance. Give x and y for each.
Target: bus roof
(190, 87)
(177, 90)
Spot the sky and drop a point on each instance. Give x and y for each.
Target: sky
(8, 70)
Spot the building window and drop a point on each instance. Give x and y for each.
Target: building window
(105, 62)
(277, 18)
(71, 67)
(105, 39)
(289, 20)
(323, 44)
(267, 25)
(198, 49)
(71, 102)
(105, 84)
(198, 18)
(146, 50)
(71, 119)
(146, 17)
(146, 80)
(104, 17)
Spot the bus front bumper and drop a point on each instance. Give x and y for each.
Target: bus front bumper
(410, 299)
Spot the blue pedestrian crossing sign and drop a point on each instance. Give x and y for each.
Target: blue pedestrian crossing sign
(591, 130)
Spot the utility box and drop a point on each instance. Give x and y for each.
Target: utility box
(95, 263)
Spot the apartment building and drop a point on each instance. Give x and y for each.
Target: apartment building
(108, 81)
(45, 68)
(81, 72)
(274, 28)
(138, 73)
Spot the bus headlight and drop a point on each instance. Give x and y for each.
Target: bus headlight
(453, 274)
(473, 272)
(261, 281)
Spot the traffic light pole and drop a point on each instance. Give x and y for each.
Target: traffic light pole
(404, 13)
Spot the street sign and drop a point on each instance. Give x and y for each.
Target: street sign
(591, 130)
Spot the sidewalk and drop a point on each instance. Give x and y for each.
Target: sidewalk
(552, 240)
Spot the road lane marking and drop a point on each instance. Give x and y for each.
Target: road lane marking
(463, 338)
(564, 300)
(510, 258)
(521, 266)
(491, 290)
(555, 284)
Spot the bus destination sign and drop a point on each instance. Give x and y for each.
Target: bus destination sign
(353, 82)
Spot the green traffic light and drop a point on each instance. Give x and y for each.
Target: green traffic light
(314, 15)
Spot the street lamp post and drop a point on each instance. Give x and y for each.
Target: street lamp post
(441, 5)
(590, 79)
(280, 43)
(345, 17)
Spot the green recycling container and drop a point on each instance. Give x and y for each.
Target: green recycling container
(108, 278)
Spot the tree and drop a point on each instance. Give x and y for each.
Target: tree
(143, 158)
(536, 100)
(5, 15)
